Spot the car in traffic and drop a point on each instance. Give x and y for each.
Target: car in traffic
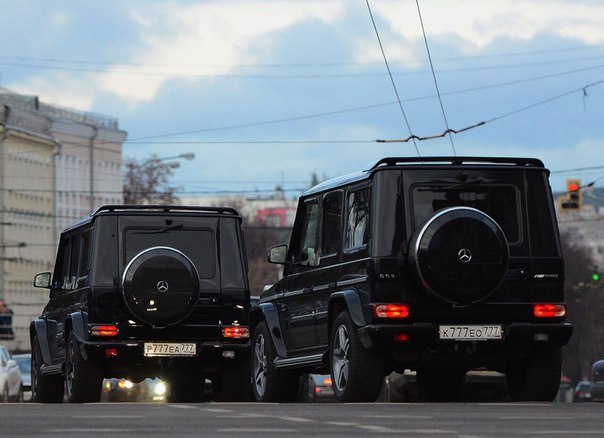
(438, 265)
(24, 362)
(11, 387)
(320, 388)
(142, 292)
(582, 392)
(597, 381)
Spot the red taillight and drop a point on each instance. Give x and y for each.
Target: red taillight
(111, 352)
(104, 330)
(547, 310)
(391, 311)
(401, 337)
(235, 332)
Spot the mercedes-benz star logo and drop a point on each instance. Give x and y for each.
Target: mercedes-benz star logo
(162, 286)
(465, 255)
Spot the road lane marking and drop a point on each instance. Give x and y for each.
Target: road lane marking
(182, 406)
(216, 410)
(249, 430)
(341, 423)
(108, 416)
(402, 417)
(296, 419)
(535, 418)
(93, 431)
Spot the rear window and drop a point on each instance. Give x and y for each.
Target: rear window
(197, 244)
(500, 202)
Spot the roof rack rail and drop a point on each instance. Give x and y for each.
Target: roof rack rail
(166, 208)
(393, 161)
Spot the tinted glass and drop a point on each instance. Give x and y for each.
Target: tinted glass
(332, 215)
(357, 218)
(307, 242)
(197, 244)
(499, 202)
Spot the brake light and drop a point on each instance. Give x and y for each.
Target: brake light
(235, 332)
(104, 330)
(391, 311)
(327, 381)
(548, 310)
(401, 337)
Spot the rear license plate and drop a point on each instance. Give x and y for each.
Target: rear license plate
(153, 349)
(470, 332)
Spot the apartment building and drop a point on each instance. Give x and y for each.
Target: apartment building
(56, 166)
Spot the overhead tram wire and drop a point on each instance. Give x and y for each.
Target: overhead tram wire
(496, 118)
(440, 100)
(398, 98)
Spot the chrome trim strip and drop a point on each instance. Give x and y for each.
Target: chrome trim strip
(297, 361)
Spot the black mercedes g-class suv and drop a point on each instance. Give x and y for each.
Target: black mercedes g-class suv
(436, 264)
(145, 291)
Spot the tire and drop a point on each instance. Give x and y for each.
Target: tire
(83, 379)
(5, 394)
(536, 378)
(183, 390)
(357, 373)
(44, 388)
(460, 255)
(441, 385)
(234, 383)
(268, 383)
(160, 286)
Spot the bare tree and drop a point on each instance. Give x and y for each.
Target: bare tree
(147, 182)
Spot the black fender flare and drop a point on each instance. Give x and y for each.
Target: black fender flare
(269, 313)
(39, 329)
(76, 323)
(351, 300)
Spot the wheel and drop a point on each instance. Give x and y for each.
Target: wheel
(460, 255)
(83, 379)
(185, 390)
(536, 378)
(44, 388)
(5, 394)
(234, 384)
(268, 383)
(441, 385)
(160, 286)
(357, 373)
(20, 398)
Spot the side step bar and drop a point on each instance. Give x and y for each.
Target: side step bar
(293, 362)
(52, 369)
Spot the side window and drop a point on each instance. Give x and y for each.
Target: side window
(73, 262)
(307, 241)
(332, 215)
(84, 258)
(61, 273)
(357, 218)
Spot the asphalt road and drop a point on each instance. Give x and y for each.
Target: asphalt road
(463, 420)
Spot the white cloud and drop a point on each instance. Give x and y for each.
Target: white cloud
(206, 39)
(478, 23)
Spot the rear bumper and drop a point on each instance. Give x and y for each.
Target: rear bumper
(424, 346)
(209, 353)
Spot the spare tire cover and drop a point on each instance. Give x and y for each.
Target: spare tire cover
(460, 255)
(160, 286)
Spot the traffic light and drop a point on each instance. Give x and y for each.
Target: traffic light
(574, 198)
(595, 275)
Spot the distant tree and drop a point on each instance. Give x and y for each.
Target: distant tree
(585, 300)
(147, 181)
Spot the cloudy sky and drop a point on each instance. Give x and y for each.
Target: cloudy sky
(268, 92)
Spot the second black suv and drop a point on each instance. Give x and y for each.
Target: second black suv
(438, 265)
(145, 291)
